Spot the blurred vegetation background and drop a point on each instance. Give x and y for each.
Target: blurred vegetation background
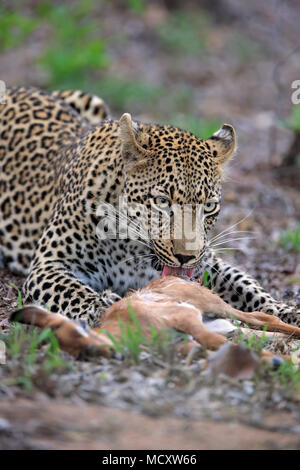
(193, 64)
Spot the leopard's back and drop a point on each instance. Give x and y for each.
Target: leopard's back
(35, 128)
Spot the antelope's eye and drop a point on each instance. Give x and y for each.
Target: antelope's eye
(162, 202)
(211, 207)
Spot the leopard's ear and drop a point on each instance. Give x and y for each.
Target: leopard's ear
(223, 143)
(132, 152)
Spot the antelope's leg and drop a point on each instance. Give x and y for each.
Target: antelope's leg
(242, 291)
(72, 336)
(185, 348)
(260, 320)
(207, 301)
(248, 332)
(193, 326)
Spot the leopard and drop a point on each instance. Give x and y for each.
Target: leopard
(68, 170)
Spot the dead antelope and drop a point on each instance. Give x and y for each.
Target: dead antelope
(167, 303)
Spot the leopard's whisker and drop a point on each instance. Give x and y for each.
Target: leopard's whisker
(142, 260)
(123, 216)
(132, 230)
(233, 232)
(112, 210)
(231, 240)
(219, 250)
(136, 256)
(238, 222)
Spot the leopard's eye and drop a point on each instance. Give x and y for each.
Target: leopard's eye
(162, 202)
(211, 207)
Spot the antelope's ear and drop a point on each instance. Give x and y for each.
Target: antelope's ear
(32, 315)
(223, 143)
(132, 151)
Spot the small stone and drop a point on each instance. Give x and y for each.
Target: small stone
(248, 388)
(276, 362)
(4, 425)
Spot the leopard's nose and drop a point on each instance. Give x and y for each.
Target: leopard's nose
(184, 259)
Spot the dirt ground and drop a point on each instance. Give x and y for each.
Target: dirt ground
(115, 405)
(56, 426)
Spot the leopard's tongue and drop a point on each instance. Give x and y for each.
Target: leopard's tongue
(177, 271)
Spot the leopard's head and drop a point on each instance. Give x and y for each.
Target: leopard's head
(173, 187)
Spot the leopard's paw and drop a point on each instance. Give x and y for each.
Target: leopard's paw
(108, 298)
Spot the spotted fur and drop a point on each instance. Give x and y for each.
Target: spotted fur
(90, 107)
(57, 168)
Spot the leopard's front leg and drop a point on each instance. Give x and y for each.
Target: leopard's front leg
(55, 287)
(243, 292)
